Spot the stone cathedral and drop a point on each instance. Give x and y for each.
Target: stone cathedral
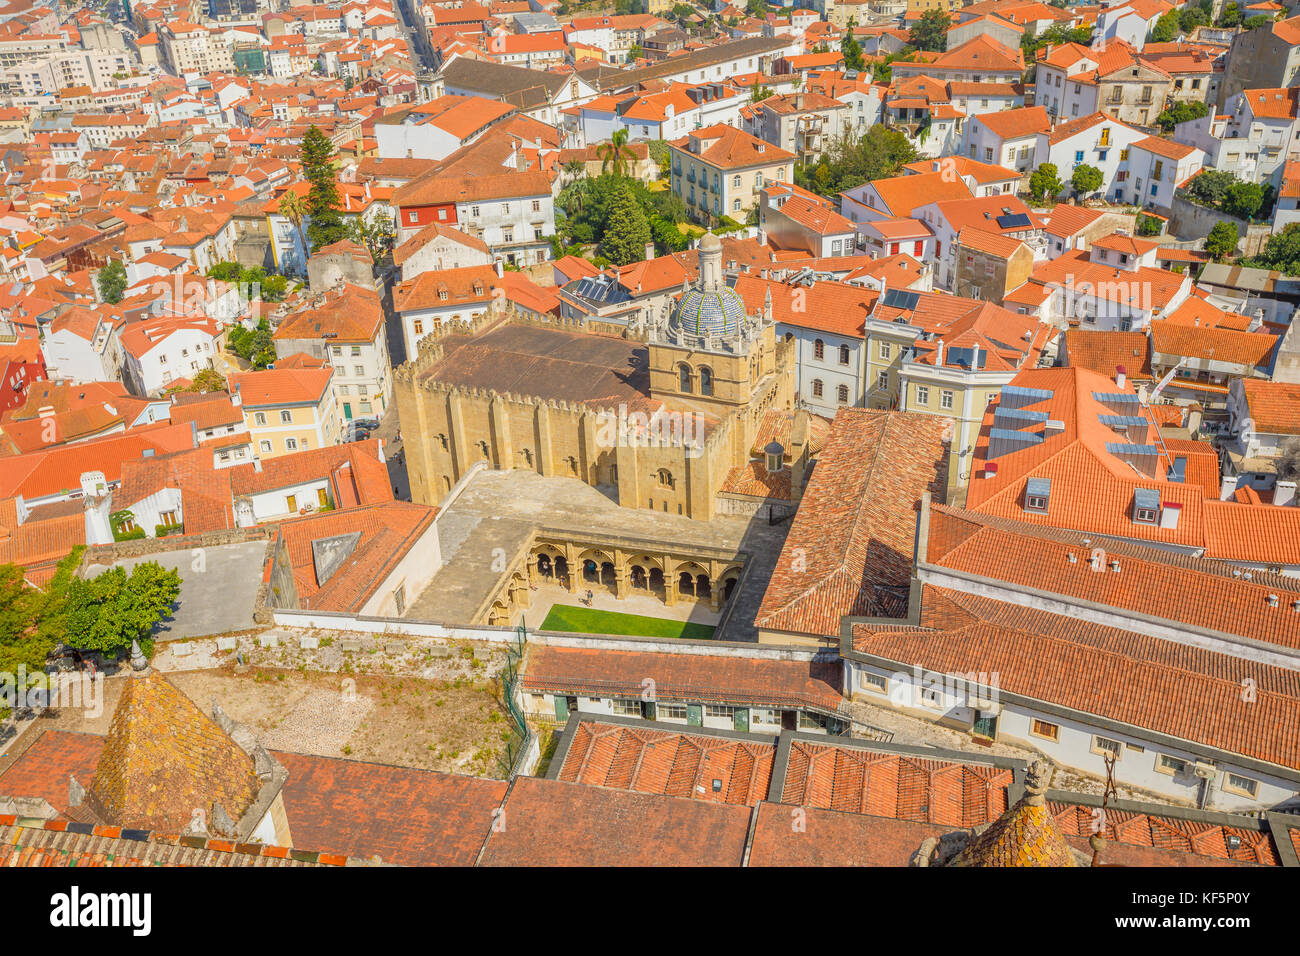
(666, 415)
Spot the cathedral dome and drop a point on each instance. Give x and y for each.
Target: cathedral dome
(717, 312)
(710, 307)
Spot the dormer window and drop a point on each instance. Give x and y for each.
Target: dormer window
(1037, 493)
(1146, 505)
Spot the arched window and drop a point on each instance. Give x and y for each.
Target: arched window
(819, 350)
(842, 394)
(684, 377)
(817, 388)
(844, 355)
(706, 380)
(665, 478)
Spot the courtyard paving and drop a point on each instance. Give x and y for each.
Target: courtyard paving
(218, 588)
(497, 512)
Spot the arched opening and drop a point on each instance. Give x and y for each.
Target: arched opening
(819, 349)
(706, 380)
(703, 587)
(683, 377)
(664, 477)
(640, 580)
(607, 575)
(818, 388)
(686, 583)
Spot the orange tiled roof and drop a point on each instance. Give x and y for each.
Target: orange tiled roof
(163, 758)
(1274, 406)
(850, 544)
(677, 764)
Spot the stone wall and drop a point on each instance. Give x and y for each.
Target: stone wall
(1189, 220)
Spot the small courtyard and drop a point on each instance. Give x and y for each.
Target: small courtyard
(435, 707)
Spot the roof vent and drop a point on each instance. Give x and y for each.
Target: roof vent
(1071, 558)
(1114, 566)
(1246, 575)
(1272, 600)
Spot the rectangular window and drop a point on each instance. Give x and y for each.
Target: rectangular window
(265, 446)
(876, 682)
(1105, 745)
(1041, 728)
(1171, 765)
(1244, 786)
(1078, 156)
(884, 350)
(670, 711)
(718, 710)
(882, 381)
(286, 417)
(291, 503)
(627, 708)
(922, 395)
(259, 418)
(945, 399)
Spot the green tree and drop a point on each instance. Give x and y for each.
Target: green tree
(1230, 16)
(325, 224)
(1149, 225)
(878, 154)
(294, 208)
(1222, 240)
(1282, 252)
(930, 33)
(616, 154)
(852, 51)
(375, 233)
(628, 230)
(1181, 112)
(1085, 179)
(20, 642)
(112, 282)
(759, 93)
(634, 53)
(757, 9)
(1167, 27)
(106, 613)
(1243, 199)
(207, 380)
(1255, 22)
(1045, 183)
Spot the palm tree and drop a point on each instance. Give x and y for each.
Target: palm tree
(615, 153)
(574, 169)
(294, 208)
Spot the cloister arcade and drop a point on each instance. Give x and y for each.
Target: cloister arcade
(580, 566)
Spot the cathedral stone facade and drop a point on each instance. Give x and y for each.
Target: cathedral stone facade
(659, 416)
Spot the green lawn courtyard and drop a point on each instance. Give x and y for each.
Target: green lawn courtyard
(585, 620)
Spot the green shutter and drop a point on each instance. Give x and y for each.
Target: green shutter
(742, 718)
(695, 715)
(561, 708)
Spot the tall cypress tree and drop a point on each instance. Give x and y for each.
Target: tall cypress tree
(627, 230)
(325, 221)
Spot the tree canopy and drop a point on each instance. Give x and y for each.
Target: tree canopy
(877, 154)
(325, 224)
(586, 207)
(1181, 112)
(1281, 253)
(112, 282)
(106, 613)
(1086, 179)
(1045, 182)
(628, 229)
(930, 33)
(852, 51)
(1222, 240)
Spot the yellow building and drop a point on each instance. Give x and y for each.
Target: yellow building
(719, 170)
(665, 417)
(287, 409)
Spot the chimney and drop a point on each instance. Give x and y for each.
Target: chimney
(938, 352)
(649, 250)
(990, 469)
(1121, 374)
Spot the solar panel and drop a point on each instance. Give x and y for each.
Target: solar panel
(1016, 220)
(900, 299)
